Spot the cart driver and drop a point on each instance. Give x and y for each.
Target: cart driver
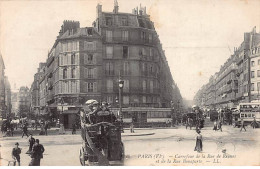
(93, 107)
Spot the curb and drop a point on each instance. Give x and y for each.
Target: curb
(141, 134)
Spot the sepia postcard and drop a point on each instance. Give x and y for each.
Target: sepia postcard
(130, 83)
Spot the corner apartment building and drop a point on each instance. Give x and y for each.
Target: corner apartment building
(85, 63)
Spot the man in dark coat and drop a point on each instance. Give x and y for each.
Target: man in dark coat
(25, 130)
(46, 127)
(74, 128)
(16, 153)
(242, 125)
(37, 153)
(31, 143)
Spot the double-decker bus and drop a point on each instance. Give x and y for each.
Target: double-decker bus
(249, 111)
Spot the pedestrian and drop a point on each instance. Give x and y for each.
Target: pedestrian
(46, 127)
(242, 125)
(16, 153)
(74, 128)
(220, 126)
(254, 123)
(12, 129)
(61, 130)
(37, 153)
(25, 130)
(198, 146)
(132, 127)
(215, 125)
(31, 143)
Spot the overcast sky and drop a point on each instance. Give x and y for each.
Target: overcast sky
(197, 36)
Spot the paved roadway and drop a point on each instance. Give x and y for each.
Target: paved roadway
(63, 150)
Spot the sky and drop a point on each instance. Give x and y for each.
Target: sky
(197, 36)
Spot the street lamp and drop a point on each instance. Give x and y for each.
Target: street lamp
(121, 85)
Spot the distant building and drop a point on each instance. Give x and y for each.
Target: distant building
(23, 102)
(2, 88)
(85, 63)
(238, 79)
(35, 91)
(8, 96)
(15, 103)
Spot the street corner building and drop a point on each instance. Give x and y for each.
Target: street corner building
(87, 63)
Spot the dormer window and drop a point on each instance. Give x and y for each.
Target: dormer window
(124, 21)
(90, 32)
(108, 21)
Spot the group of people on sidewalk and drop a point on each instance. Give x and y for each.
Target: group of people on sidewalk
(35, 151)
(217, 125)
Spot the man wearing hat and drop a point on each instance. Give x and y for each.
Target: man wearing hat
(37, 153)
(16, 153)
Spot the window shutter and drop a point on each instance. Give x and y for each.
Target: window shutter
(95, 59)
(95, 73)
(60, 73)
(77, 86)
(69, 59)
(77, 73)
(86, 73)
(69, 72)
(95, 86)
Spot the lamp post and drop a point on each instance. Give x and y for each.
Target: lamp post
(62, 104)
(121, 85)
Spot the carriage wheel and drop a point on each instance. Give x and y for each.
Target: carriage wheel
(81, 157)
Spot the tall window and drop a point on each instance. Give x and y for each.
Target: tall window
(126, 68)
(89, 58)
(110, 99)
(258, 73)
(90, 73)
(252, 63)
(144, 85)
(73, 58)
(109, 51)
(151, 51)
(126, 86)
(150, 38)
(258, 61)
(109, 68)
(144, 99)
(151, 86)
(143, 52)
(109, 36)
(253, 74)
(64, 73)
(125, 51)
(109, 21)
(124, 21)
(143, 36)
(125, 35)
(90, 87)
(258, 87)
(73, 72)
(252, 86)
(110, 85)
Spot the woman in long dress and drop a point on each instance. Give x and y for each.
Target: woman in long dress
(198, 146)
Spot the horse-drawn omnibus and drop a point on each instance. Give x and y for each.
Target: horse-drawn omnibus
(101, 138)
